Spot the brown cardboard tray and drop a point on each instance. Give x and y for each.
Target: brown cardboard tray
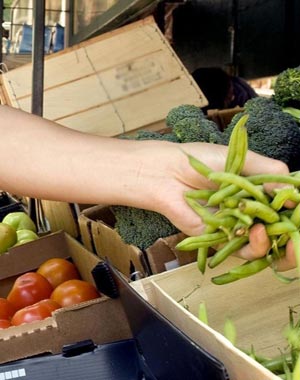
(102, 320)
(97, 231)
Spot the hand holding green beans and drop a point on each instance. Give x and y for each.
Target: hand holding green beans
(243, 211)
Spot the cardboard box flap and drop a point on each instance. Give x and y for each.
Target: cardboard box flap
(258, 306)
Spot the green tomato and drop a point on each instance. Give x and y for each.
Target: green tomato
(26, 235)
(20, 221)
(8, 237)
(21, 242)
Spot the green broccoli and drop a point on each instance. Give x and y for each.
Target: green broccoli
(141, 227)
(183, 111)
(287, 88)
(271, 132)
(197, 129)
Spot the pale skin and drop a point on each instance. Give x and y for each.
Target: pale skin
(44, 160)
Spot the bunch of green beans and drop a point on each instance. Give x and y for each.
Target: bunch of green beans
(240, 202)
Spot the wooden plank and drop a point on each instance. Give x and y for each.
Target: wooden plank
(115, 83)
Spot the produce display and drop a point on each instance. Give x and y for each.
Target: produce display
(16, 228)
(272, 130)
(35, 295)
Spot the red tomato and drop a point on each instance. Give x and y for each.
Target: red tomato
(73, 292)
(58, 270)
(7, 309)
(35, 312)
(28, 289)
(4, 324)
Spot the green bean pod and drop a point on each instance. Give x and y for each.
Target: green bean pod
(221, 194)
(224, 279)
(203, 194)
(209, 218)
(232, 246)
(241, 182)
(199, 166)
(205, 240)
(202, 258)
(260, 179)
(258, 210)
(283, 195)
(235, 212)
(280, 228)
(237, 147)
(251, 267)
(295, 237)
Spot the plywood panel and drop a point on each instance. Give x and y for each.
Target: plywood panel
(114, 83)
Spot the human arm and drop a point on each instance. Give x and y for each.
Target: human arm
(44, 160)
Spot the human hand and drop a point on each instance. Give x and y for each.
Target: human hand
(186, 179)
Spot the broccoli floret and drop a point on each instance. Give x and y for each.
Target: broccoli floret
(182, 112)
(195, 129)
(271, 132)
(141, 227)
(287, 88)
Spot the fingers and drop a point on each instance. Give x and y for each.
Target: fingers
(259, 243)
(289, 260)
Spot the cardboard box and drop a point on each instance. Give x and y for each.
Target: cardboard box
(97, 232)
(111, 84)
(223, 117)
(258, 306)
(102, 320)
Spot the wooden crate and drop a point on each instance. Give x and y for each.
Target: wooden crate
(114, 83)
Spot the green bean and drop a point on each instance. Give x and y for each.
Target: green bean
(250, 267)
(202, 258)
(199, 166)
(283, 195)
(276, 364)
(295, 216)
(203, 251)
(209, 218)
(235, 212)
(260, 179)
(242, 182)
(225, 278)
(203, 194)
(205, 240)
(280, 228)
(295, 237)
(202, 313)
(258, 210)
(232, 246)
(221, 194)
(237, 147)
(231, 202)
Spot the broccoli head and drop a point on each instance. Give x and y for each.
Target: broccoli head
(196, 129)
(141, 227)
(271, 132)
(287, 88)
(183, 111)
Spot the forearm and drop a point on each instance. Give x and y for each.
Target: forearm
(44, 160)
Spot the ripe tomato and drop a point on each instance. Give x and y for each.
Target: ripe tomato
(4, 324)
(73, 292)
(35, 312)
(28, 289)
(7, 309)
(58, 270)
